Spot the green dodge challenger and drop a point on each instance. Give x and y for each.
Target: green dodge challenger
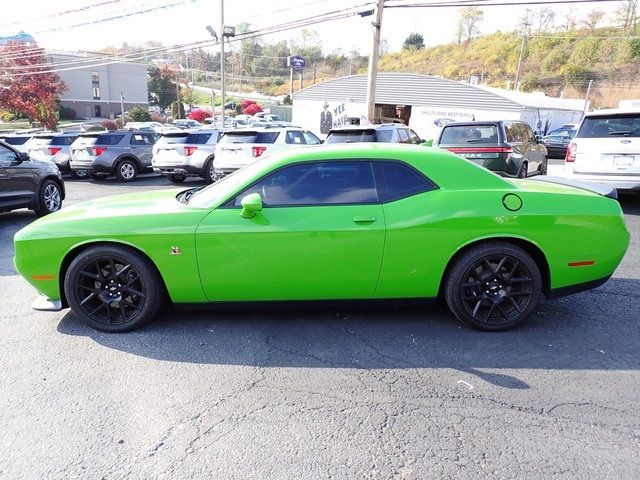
(345, 222)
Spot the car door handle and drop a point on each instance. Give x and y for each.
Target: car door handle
(364, 219)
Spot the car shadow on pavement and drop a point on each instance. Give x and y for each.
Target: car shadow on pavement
(573, 333)
(10, 223)
(630, 203)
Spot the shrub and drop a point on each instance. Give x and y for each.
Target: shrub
(245, 103)
(199, 114)
(158, 118)
(139, 114)
(252, 109)
(67, 113)
(109, 124)
(6, 116)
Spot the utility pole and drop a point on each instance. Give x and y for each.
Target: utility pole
(224, 94)
(586, 98)
(290, 82)
(373, 63)
(524, 41)
(178, 101)
(122, 107)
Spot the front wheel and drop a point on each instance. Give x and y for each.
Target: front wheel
(127, 171)
(522, 173)
(49, 198)
(493, 286)
(113, 288)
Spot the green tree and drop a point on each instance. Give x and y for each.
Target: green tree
(469, 21)
(308, 46)
(139, 114)
(162, 90)
(414, 41)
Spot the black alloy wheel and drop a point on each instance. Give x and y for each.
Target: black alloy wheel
(112, 288)
(49, 198)
(493, 286)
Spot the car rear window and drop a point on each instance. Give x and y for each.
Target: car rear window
(198, 138)
(16, 140)
(100, 139)
(616, 125)
(352, 136)
(465, 134)
(53, 140)
(249, 137)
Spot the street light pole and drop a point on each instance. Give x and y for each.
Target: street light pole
(122, 106)
(373, 63)
(222, 79)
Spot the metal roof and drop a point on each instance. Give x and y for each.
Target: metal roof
(410, 89)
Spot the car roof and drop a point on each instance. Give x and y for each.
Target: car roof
(613, 111)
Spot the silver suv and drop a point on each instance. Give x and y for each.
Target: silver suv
(56, 148)
(120, 153)
(238, 148)
(188, 154)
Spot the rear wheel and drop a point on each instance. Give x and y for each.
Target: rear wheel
(79, 173)
(543, 166)
(522, 173)
(493, 286)
(127, 170)
(210, 174)
(176, 178)
(113, 288)
(49, 198)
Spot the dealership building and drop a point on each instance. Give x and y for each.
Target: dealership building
(426, 103)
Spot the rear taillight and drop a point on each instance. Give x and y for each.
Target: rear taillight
(54, 150)
(189, 150)
(99, 151)
(257, 151)
(480, 149)
(571, 153)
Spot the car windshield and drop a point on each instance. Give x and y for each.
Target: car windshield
(249, 137)
(616, 125)
(226, 186)
(465, 134)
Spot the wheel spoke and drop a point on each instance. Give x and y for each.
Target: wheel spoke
(500, 264)
(95, 310)
(109, 312)
(135, 292)
(123, 269)
(123, 311)
(501, 310)
(112, 264)
(90, 274)
(87, 298)
(515, 305)
(488, 264)
(477, 283)
(488, 316)
(516, 264)
(520, 280)
(475, 309)
(519, 294)
(101, 275)
(132, 305)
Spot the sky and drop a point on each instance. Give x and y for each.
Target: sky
(185, 20)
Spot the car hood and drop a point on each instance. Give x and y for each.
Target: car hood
(118, 213)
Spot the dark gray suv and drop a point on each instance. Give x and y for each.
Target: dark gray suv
(26, 183)
(120, 153)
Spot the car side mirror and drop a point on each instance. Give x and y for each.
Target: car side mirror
(427, 143)
(251, 204)
(23, 157)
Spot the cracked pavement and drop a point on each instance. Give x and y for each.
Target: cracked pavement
(336, 393)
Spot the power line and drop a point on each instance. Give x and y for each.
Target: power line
(59, 14)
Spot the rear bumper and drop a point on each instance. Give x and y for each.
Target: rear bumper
(188, 170)
(619, 182)
(580, 287)
(93, 166)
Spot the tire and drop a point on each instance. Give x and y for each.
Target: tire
(97, 177)
(106, 294)
(543, 166)
(49, 198)
(210, 175)
(126, 170)
(176, 178)
(80, 174)
(493, 286)
(522, 173)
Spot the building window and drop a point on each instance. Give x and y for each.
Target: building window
(97, 111)
(95, 78)
(96, 93)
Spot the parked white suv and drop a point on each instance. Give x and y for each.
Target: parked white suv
(606, 149)
(238, 148)
(186, 154)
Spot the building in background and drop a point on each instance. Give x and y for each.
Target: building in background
(427, 103)
(94, 88)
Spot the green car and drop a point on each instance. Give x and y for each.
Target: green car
(344, 222)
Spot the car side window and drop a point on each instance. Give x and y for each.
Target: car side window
(137, 139)
(295, 137)
(403, 135)
(310, 138)
(511, 132)
(6, 156)
(316, 184)
(395, 180)
(527, 133)
(413, 137)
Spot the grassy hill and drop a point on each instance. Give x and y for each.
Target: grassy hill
(554, 62)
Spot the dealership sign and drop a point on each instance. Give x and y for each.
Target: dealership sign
(296, 62)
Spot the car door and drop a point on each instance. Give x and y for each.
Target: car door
(536, 151)
(320, 235)
(18, 180)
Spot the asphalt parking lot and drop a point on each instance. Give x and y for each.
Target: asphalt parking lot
(326, 393)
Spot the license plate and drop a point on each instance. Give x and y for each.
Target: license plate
(623, 161)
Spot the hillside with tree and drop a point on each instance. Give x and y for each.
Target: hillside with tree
(560, 55)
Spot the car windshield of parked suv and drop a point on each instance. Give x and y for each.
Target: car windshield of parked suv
(198, 138)
(16, 140)
(249, 137)
(464, 134)
(100, 139)
(616, 125)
